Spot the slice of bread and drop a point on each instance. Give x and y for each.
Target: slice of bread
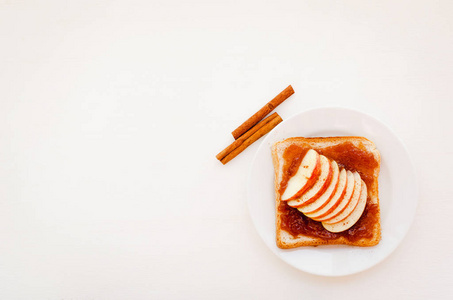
(352, 153)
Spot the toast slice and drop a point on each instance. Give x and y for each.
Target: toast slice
(353, 153)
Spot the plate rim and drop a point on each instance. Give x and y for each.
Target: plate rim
(412, 171)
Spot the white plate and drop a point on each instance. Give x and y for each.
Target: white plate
(397, 191)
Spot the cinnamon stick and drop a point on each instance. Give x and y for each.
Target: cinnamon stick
(241, 140)
(251, 136)
(259, 115)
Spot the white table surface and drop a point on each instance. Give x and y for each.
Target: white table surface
(112, 112)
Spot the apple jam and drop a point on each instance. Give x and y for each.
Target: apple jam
(295, 222)
(293, 158)
(348, 156)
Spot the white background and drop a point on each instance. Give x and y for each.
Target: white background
(112, 112)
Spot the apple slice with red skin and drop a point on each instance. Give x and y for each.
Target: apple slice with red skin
(343, 202)
(324, 198)
(353, 217)
(303, 179)
(352, 203)
(318, 188)
(335, 200)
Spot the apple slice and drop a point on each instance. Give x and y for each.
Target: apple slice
(343, 202)
(352, 203)
(353, 217)
(324, 198)
(308, 169)
(318, 188)
(335, 200)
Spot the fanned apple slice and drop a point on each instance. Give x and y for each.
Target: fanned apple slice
(335, 200)
(343, 202)
(353, 217)
(312, 193)
(308, 170)
(324, 198)
(352, 203)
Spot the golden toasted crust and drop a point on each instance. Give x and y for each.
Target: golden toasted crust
(284, 239)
